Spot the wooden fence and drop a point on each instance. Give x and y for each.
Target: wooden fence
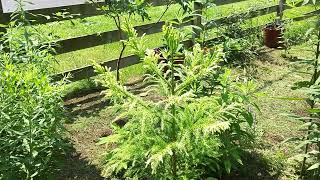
(87, 41)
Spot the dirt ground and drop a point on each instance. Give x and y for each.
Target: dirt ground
(90, 116)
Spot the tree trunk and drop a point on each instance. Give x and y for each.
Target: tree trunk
(118, 24)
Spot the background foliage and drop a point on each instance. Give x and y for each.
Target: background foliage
(30, 105)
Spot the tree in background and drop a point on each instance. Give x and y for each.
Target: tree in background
(118, 10)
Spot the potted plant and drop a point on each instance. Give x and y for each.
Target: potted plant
(273, 32)
(273, 35)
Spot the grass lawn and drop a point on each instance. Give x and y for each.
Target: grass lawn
(80, 58)
(294, 31)
(91, 116)
(79, 27)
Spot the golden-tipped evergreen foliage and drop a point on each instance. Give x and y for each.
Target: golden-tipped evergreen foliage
(188, 133)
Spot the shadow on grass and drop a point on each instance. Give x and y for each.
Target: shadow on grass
(271, 82)
(89, 105)
(255, 167)
(70, 165)
(266, 57)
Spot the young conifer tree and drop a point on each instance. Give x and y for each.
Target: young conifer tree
(186, 134)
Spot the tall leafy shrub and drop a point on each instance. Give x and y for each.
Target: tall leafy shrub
(239, 37)
(308, 145)
(186, 134)
(30, 105)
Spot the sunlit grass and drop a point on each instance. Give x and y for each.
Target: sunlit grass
(238, 7)
(81, 58)
(90, 25)
(102, 53)
(95, 24)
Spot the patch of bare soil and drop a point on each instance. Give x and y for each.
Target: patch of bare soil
(273, 138)
(272, 56)
(84, 159)
(74, 166)
(84, 141)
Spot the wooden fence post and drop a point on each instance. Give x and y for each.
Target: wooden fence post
(3, 21)
(280, 11)
(1, 10)
(2, 29)
(197, 21)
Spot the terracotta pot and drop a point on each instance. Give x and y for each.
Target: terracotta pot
(272, 36)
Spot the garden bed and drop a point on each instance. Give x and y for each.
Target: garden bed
(91, 115)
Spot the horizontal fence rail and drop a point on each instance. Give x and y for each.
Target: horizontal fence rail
(306, 15)
(246, 15)
(46, 15)
(88, 41)
(88, 71)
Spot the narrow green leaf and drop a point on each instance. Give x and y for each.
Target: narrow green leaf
(227, 165)
(315, 166)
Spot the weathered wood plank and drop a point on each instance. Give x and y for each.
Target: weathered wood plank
(88, 71)
(280, 11)
(82, 42)
(77, 8)
(87, 41)
(246, 15)
(224, 2)
(197, 20)
(307, 15)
